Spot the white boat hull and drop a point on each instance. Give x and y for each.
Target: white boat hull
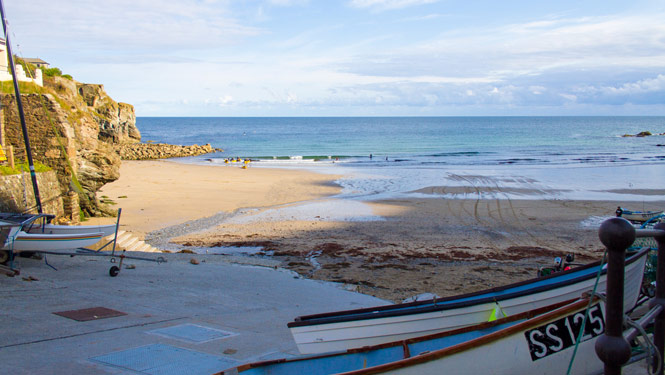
(105, 230)
(640, 216)
(18, 241)
(322, 338)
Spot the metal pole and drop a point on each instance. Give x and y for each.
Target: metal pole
(26, 140)
(616, 234)
(659, 322)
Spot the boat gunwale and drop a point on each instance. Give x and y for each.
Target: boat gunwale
(442, 304)
(23, 219)
(27, 236)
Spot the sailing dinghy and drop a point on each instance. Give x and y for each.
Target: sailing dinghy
(34, 233)
(42, 224)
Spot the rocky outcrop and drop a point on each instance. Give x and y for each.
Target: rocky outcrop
(117, 121)
(641, 134)
(144, 151)
(73, 128)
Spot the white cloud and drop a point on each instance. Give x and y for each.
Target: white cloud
(647, 91)
(165, 26)
(531, 49)
(640, 87)
(225, 100)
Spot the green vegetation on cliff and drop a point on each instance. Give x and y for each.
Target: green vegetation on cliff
(55, 89)
(7, 87)
(23, 167)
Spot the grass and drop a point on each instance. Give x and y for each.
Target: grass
(23, 167)
(7, 87)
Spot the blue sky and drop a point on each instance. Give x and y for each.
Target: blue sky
(356, 57)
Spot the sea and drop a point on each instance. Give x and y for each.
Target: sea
(579, 158)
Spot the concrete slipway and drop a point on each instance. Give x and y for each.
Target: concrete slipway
(180, 318)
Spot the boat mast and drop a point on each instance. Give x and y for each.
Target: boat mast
(26, 140)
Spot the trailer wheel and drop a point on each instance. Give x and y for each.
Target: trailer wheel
(113, 271)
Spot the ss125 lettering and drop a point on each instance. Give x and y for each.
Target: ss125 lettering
(560, 334)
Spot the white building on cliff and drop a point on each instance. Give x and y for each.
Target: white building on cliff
(6, 75)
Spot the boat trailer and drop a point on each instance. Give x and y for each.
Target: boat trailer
(115, 257)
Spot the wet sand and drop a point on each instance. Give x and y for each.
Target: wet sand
(440, 246)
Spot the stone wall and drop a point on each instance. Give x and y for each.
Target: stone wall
(17, 195)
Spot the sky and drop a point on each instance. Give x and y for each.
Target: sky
(355, 57)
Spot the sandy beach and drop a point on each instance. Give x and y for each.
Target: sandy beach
(158, 194)
(409, 247)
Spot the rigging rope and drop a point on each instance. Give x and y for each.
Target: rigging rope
(586, 313)
(649, 347)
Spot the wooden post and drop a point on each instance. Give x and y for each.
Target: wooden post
(659, 322)
(10, 156)
(616, 234)
(2, 127)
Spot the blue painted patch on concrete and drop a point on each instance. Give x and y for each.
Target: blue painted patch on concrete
(192, 333)
(160, 359)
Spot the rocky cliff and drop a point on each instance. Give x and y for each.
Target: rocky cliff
(74, 129)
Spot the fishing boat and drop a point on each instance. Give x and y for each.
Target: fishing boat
(342, 330)
(637, 216)
(539, 341)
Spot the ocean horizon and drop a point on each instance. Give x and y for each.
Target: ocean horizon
(527, 157)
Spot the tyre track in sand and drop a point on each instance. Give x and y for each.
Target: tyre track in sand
(521, 235)
(479, 221)
(518, 221)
